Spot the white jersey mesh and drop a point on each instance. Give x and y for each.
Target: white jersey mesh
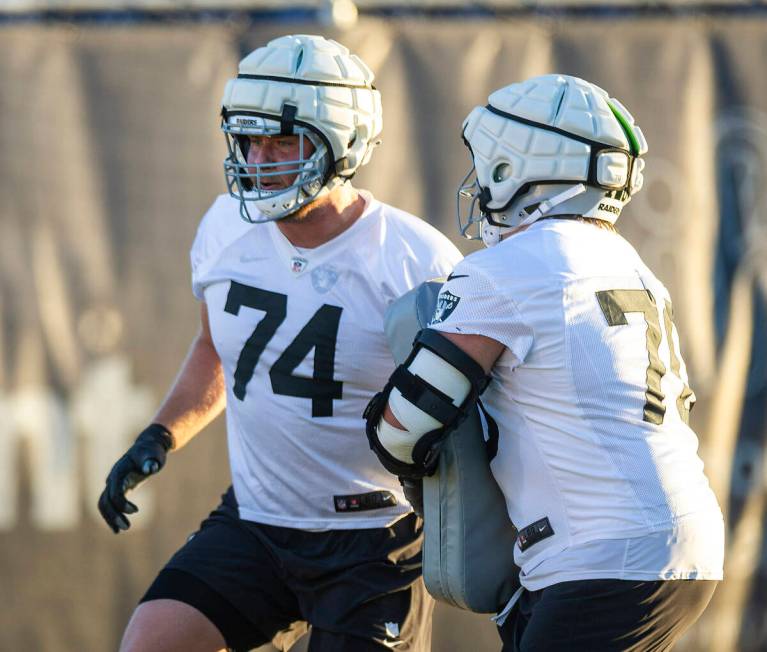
(290, 453)
(591, 415)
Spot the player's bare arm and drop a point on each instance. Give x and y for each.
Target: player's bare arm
(196, 397)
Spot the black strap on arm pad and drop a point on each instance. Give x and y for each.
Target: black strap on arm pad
(437, 343)
(428, 398)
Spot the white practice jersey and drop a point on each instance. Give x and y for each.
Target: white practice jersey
(300, 337)
(595, 458)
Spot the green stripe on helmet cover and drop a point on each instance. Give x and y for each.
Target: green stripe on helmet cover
(627, 129)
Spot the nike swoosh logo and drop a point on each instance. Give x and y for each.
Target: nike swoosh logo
(452, 276)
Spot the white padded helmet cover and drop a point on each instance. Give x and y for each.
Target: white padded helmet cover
(508, 154)
(347, 111)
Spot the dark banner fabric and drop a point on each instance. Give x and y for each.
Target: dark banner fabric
(110, 152)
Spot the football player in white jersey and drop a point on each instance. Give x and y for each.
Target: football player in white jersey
(294, 269)
(620, 539)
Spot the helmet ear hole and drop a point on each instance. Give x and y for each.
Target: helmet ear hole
(501, 172)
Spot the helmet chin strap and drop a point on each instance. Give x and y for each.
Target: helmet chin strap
(548, 204)
(492, 235)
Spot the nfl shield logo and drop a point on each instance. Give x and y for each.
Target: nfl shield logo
(298, 264)
(446, 303)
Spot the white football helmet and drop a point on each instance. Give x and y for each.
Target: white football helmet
(553, 141)
(308, 86)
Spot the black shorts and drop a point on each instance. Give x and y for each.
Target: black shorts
(605, 615)
(358, 589)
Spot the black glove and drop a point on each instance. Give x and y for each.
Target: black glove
(146, 457)
(413, 490)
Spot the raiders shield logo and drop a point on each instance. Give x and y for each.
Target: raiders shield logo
(324, 278)
(446, 303)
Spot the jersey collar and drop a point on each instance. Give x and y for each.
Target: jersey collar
(301, 260)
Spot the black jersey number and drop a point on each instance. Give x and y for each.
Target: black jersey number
(615, 304)
(320, 333)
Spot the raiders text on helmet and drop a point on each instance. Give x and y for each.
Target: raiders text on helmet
(306, 86)
(553, 141)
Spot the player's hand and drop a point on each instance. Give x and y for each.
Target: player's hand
(413, 490)
(146, 457)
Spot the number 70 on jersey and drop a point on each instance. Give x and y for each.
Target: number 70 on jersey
(615, 304)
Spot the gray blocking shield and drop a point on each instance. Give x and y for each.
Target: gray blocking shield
(468, 550)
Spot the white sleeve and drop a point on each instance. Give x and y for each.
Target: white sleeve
(444, 259)
(197, 258)
(411, 257)
(423, 253)
(470, 303)
(219, 226)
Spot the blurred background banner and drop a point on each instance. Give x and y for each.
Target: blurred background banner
(110, 153)
(364, 5)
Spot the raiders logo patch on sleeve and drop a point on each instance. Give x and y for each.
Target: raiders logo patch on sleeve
(446, 303)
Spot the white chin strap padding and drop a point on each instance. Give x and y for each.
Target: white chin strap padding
(441, 375)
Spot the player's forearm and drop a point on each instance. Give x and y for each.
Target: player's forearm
(197, 396)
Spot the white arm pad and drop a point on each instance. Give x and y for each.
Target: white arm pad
(399, 443)
(439, 374)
